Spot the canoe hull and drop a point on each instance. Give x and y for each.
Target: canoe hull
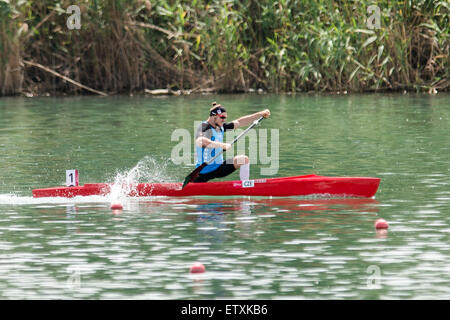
(276, 187)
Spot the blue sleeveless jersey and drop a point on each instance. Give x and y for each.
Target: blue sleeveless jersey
(206, 154)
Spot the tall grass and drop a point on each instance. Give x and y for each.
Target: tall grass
(11, 30)
(225, 45)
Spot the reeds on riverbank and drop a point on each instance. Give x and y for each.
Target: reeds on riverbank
(11, 72)
(224, 46)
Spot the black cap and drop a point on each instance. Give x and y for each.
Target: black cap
(216, 109)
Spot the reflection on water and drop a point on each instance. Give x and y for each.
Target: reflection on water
(153, 241)
(80, 248)
(252, 248)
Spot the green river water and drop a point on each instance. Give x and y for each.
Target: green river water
(252, 248)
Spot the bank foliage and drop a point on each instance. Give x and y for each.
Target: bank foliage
(224, 46)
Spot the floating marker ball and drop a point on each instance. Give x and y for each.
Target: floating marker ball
(381, 224)
(197, 268)
(117, 206)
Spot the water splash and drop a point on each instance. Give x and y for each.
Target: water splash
(146, 170)
(124, 183)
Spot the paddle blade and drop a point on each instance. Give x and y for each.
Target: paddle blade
(194, 174)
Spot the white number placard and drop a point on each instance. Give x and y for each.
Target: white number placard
(72, 178)
(248, 183)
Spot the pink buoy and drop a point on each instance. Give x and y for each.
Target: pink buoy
(116, 206)
(381, 224)
(197, 268)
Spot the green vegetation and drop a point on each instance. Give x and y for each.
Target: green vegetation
(223, 45)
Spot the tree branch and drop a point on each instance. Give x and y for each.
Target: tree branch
(40, 66)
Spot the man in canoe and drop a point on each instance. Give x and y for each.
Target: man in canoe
(209, 142)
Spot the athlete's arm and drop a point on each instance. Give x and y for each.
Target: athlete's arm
(248, 120)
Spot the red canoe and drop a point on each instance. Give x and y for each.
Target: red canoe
(276, 187)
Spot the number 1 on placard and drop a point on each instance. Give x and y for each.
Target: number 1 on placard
(72, 178)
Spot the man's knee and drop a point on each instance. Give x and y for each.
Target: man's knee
(240, 160)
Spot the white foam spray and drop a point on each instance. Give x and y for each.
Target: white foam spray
(146, 170)
(123, 184)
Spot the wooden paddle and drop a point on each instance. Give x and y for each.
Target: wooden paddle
(194, 174)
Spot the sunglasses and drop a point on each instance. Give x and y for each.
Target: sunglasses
(222, 117)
